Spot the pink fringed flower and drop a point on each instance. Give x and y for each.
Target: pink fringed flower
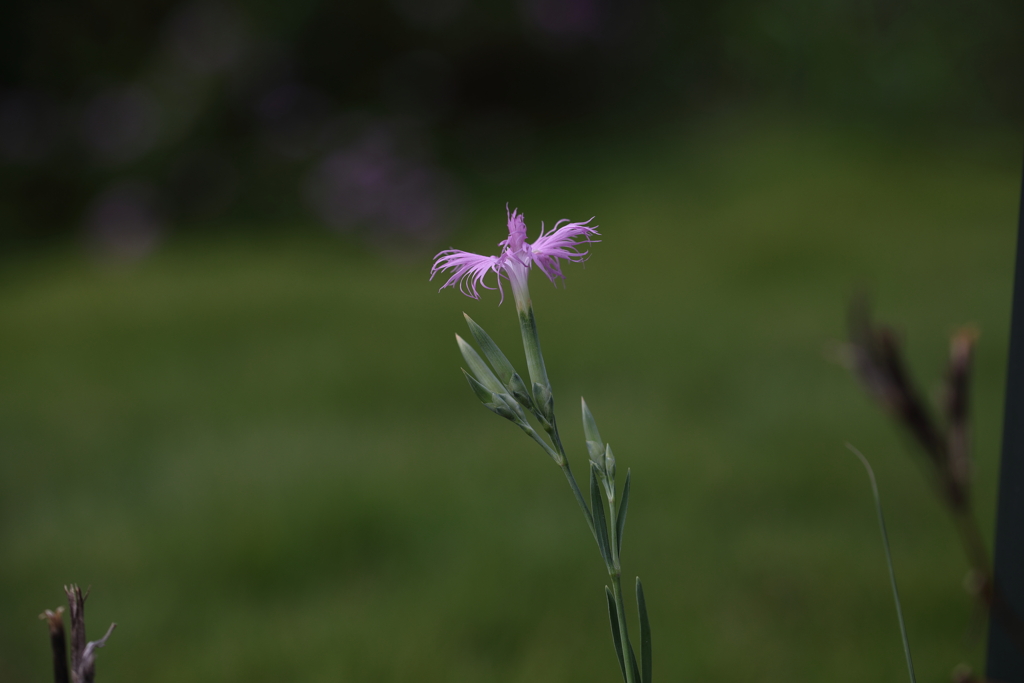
(516, 258)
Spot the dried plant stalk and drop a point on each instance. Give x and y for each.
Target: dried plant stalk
(83, 653)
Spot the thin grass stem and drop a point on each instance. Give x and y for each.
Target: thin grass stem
(888, 559)
(579, 498)
(627, 649)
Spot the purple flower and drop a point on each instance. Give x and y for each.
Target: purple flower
(516, 258)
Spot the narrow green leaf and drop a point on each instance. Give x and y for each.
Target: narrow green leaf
(502, 367)
(613, 616)
(620, 522)
(600, 521)
(590, 427)
(645, 633)
(482, 392)
(478, 367)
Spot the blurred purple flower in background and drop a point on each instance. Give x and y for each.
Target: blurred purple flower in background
(517, 257)
(372, 187)
(123, 222)
(246, 113)
(267, 112)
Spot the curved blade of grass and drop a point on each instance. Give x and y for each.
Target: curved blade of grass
(645, 633)
(613, 616)
(888, 559)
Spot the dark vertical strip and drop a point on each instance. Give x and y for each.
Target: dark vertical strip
(1005, 655)
(60, 655)
(76, 603)
(55, 620)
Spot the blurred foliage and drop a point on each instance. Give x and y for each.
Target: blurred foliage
(256, 446)
(121, 120)
(261, 455)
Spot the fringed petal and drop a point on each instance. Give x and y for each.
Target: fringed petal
(468, 269)
(562, 242)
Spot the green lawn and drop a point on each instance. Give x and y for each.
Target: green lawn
(261, 454)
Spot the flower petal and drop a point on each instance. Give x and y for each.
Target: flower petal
(562, 242)
(469, 270)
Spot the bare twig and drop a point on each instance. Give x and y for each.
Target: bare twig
(55, 620)
(83, 654)
(89, 656)
(76, 601)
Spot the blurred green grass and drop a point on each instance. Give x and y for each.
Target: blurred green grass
(260, 453)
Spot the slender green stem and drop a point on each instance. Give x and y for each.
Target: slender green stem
(615, 573)
(579, 496)
(538, 375)
(888, 560)
(557, 456)
(567, 471)
(555, 438)
(627, 650)
(531, 344)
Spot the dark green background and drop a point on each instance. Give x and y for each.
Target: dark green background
(253, 439)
